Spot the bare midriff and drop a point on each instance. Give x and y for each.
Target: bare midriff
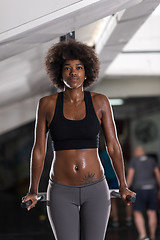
(76, 167)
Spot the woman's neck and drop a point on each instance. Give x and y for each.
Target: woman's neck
(73, 95)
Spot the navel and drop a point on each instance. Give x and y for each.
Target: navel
(76, 168)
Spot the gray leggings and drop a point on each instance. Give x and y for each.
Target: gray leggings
(79, 212)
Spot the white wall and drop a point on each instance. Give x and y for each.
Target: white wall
(125, 86)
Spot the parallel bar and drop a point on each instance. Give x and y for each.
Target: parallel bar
(43, 197)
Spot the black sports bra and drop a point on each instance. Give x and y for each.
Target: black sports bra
(75, 134)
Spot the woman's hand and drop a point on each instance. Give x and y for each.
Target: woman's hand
(124, 191)
(32, 197)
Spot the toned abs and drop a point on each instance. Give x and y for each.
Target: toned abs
(76, 167)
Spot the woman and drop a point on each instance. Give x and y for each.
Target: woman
(78, 195)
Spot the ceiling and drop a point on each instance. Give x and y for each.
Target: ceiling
(120, 31)
(141, 55)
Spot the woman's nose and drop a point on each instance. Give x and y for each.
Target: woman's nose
(73, 72)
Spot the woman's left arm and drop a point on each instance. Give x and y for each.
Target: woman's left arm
(113, 146)
(157, 175)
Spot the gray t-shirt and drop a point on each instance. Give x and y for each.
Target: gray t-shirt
(144, 177)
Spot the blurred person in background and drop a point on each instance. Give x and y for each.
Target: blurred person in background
(144, 176)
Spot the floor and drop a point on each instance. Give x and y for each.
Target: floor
(19, 224)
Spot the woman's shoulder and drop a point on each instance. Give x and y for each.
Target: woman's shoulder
(47, 102)
(48, 99)
(95, 94)
(99, 98)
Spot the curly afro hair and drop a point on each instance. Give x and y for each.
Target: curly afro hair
(71, 50)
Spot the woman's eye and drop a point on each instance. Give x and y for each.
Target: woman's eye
(79, 67)
(66, 68)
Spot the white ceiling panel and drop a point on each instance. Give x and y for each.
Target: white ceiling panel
(141, 56)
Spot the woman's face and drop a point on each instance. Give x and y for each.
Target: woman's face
(73, 74)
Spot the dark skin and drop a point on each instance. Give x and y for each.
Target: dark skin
(82, 166)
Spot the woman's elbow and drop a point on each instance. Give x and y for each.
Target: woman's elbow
(38, 153)
(114, 149)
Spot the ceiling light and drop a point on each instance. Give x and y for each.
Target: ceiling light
(116, 101)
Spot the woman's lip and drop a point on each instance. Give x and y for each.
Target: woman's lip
(73, 78)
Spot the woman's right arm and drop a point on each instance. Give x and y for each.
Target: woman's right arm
(38, 153)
